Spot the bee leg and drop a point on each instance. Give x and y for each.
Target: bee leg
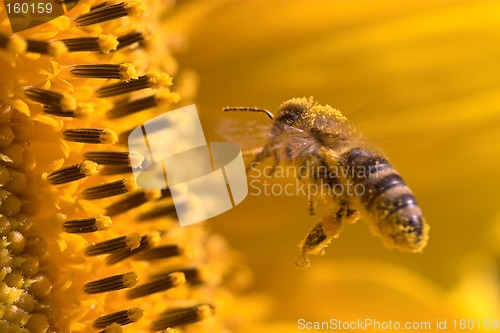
(251, 152)
(312, 204)
(319, 237)
(322, 233)
(260, 154)
(275, 164)
(352, 215)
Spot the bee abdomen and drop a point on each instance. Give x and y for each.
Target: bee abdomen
(387, 182)
(387, 199)
(381, 182)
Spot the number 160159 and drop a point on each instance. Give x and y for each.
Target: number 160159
(28, 8)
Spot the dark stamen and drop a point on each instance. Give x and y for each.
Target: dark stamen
(123, 317)
(131, 107)
(160, 252)
(119, 158)
(160, 211)
(103, 43)
(72, 173)
(13, 43)
(91, 135)
(115, 170)
(111, 283)
(83, 110)
(54, 49)
(194, 276)
(111, 12)
(124, 72)
(129, 39)
(152, 80)
(51, 98)
(147, 241)
(158, 285)
(182, 316)
(129, 242)
(110, 189)
(133, 200)
(88, 225)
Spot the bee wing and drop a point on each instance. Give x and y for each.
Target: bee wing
(295, 143)
(248, 134)
(253, 135)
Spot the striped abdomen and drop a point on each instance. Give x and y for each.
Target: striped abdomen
(390, 207)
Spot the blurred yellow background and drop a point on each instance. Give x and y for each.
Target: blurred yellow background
(420, 79)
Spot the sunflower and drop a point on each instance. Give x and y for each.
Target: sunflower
(83, 248)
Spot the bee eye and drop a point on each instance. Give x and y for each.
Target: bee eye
(289, 117)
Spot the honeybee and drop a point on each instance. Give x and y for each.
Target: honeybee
(331, 154)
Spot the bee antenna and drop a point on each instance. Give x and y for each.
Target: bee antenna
(246, 108)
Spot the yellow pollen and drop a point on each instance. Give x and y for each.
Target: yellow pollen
(127, 72)
(157, 79)
(108, 136)
(133, 241)
(103, 222)
(178, 278)
(88, 168)
(134, 7)
(166, 96)
(136, 159)
(17, 44)
(130, 185)
(204, 311)
(135, 314)
(153, 238)
(84, 110)
(113, 328)
(108, 43)
(129, 279)
(57, 49)
(68, 103)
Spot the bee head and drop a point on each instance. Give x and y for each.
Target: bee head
(305, 114)
(302, 114)
(293, 111)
